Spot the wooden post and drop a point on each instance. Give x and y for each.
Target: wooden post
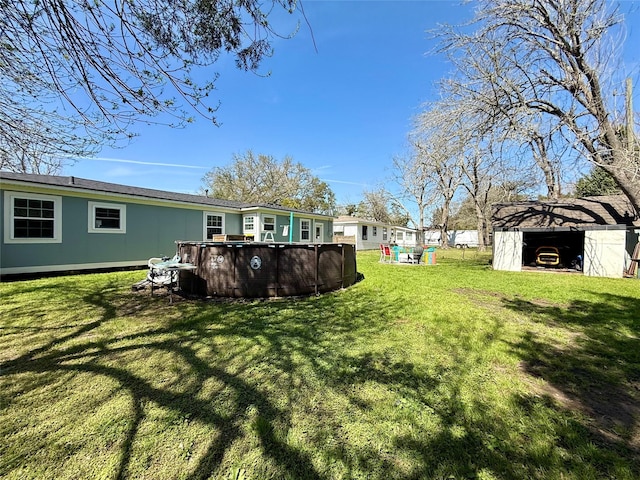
(315, 248)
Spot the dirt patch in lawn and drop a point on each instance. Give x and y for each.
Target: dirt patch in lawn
(488, 298)
(613, 410)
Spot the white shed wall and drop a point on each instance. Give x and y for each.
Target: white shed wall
(507, 251)
(604, 253)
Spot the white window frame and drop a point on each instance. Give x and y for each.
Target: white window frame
(265, 224)
(9, 199)
(112, 206)
(205, 218)
(316, 227)
(400, 236)
(246, 230)
(384, 234)
(374, 231)
(307, 229)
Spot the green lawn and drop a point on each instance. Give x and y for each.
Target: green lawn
(449, 371)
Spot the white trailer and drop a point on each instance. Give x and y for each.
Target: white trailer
(463, 238)
(455, 238)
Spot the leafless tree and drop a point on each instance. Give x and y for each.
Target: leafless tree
(547, 146)
(417, 188)
(35, 141)
(437, 139)
(553, 58)
(375, 205)
(381, 205)
(478, 182)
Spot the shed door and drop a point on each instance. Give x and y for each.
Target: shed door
(604, 252)
(507, 251)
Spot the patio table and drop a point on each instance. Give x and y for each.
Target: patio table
(400, 250)
(173, 268)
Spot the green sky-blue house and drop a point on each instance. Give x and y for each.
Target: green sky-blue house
(57, 223)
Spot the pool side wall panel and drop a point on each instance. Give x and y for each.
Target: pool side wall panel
(255, 270)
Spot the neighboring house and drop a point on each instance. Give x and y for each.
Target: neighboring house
(368, 235)
(54, 223)
(600, 232)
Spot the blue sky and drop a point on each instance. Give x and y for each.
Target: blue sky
(344, 111)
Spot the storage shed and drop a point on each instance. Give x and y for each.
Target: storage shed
(597, 235)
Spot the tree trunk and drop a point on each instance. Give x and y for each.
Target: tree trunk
(548, 169)
(626, 173)
(481, 226)
(444, 224)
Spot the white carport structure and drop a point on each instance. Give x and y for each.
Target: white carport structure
(602, 231)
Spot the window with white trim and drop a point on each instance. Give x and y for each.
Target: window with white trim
(249, 224)
(32, 218)
(269, 224)
(305, 230)
(409, 236)
(107, 218)
(374, 231)
(213, 224)
(399, 236)
(384, 233)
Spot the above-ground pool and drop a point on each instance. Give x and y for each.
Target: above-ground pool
(229, 269)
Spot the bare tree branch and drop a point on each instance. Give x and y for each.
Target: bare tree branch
(94, 68)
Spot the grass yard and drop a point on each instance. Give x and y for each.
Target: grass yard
(452, 371)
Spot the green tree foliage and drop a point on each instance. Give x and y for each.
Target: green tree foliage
(263, 179)
(87, 69)
(464, 217)
(597, 182)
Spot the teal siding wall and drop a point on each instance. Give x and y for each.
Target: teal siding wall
(282, 220)
(232, 224)
(151, 231)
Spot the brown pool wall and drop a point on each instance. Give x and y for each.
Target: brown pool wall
(254, 270)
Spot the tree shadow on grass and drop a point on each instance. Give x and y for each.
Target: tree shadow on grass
(598, 371)
(441, 432)
(282, 329)
(532, 440)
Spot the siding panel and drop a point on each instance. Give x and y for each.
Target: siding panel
(507, 251)
(604, 253)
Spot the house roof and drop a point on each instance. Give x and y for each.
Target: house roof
(114, 188)
(565, 213)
